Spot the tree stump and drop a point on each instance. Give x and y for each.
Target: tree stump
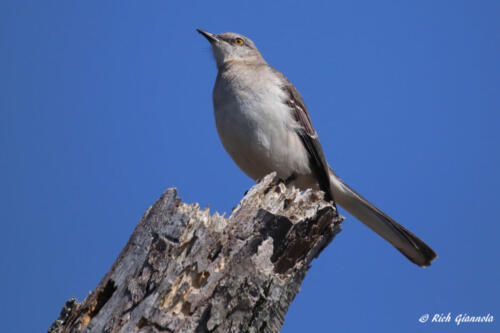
(184, 270)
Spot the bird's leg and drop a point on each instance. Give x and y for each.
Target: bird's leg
(290, 179)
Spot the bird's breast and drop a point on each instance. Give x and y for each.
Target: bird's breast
(256, 127)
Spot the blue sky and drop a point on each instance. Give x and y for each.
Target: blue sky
(104, 105)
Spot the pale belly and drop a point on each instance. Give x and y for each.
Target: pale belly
(258, 137)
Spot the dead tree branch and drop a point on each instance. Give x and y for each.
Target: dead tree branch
(184, 270)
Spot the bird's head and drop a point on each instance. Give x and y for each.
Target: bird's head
(231, 46)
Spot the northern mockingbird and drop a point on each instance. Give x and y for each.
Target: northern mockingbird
(264, 125)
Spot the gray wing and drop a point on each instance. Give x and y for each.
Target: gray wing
(308, 136)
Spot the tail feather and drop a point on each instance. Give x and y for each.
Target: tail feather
(405, 241)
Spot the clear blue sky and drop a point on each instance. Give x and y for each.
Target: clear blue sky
(104, 105)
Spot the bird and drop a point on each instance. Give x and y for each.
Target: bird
(264, 125)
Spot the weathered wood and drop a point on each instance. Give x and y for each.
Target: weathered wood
(184, 270)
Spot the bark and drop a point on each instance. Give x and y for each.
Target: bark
(184, 270)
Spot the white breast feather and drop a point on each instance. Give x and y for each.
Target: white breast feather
(256, 126)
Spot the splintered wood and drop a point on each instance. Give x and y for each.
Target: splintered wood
(184, 270)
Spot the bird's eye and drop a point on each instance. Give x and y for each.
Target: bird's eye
(238, 41)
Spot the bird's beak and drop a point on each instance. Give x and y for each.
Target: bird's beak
(210, 37)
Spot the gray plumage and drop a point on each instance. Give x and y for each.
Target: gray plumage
(264, 125)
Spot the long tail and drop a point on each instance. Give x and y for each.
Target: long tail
(402, 239)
